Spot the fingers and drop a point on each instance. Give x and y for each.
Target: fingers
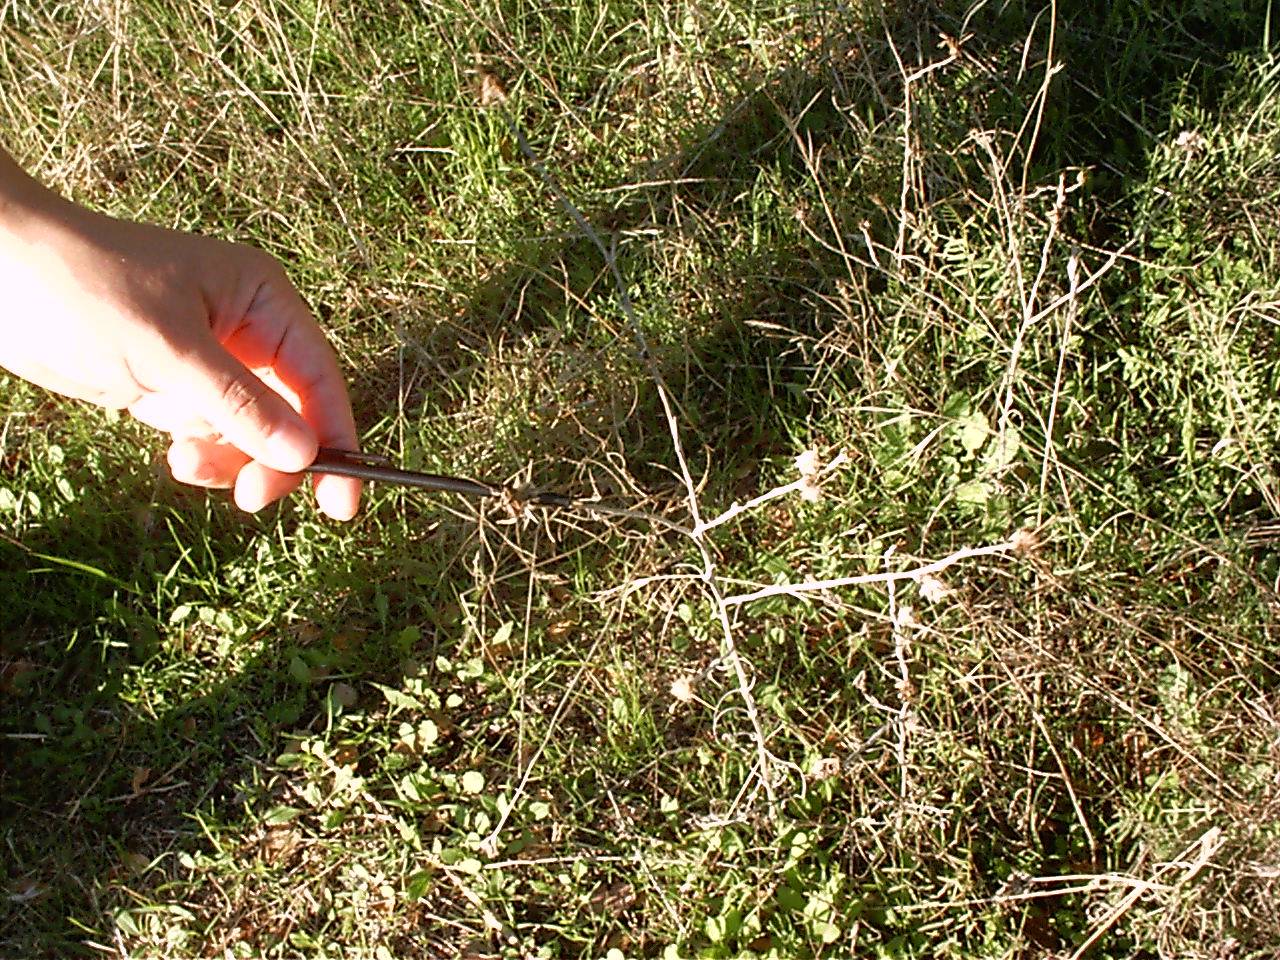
(279, 337)
(160, 411)
(339, 497)
(204, 462)
(258, 485)
(247, 412)
(278, 333)
(216, 464)
(265, 380)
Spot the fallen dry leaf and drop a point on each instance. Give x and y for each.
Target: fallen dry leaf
(492, 93)
(280, 843)
(561, 629)
(614, 900)
(499, 651)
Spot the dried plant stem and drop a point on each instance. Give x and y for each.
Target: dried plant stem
(916, 573)
(1204, 848)
(795, 486)
(764, 760)
(905, 719)
(740, 508)
(1073, 279)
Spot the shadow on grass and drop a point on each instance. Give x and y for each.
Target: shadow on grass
(96, 775)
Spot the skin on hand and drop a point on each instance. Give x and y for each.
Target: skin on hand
(206, 340)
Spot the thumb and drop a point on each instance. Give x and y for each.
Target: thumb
(247, 412)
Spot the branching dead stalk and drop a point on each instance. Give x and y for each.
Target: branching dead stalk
(801, 486)
(915, 573)
(1198, 855)
(764, 760)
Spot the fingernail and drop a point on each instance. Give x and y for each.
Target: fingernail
(250, 501)
(337, 497)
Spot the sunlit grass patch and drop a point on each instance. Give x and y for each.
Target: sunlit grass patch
(963, 322)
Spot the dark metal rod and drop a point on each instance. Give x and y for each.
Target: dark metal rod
(341, 463)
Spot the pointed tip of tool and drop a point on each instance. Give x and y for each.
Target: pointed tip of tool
(550, 500)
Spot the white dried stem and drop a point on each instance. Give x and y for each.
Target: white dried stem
(764, 760)
(801, 485)
(1192, 860)
(916, 573)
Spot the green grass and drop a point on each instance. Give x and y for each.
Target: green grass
(1051, 321)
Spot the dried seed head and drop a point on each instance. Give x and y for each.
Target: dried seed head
(1025, 542)
(824, 768)
(682, 689)
(808, 464)
(933, 589)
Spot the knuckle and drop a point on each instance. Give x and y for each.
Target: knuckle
(242, 396)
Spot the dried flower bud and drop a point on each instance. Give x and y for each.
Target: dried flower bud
(933, 589)
(1025, 542)
(682, 689)
(808, 463)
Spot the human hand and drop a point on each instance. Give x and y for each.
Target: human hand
(206, 340)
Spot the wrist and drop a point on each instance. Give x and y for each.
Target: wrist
(27, 207)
